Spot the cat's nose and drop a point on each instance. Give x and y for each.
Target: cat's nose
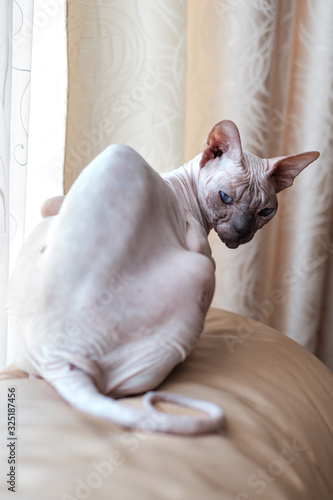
(243, 228)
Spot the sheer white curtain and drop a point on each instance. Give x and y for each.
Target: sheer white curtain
(33, 86)
(16, 43)
(5, 90)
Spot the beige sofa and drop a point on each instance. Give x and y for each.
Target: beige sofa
(277, 443)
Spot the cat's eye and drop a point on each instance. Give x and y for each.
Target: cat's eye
(266, 212)
(226, 199)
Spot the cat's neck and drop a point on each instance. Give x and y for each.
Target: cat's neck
(184, 182)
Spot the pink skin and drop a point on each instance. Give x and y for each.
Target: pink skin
(111, 290)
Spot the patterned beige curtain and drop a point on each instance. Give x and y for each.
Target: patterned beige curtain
(158, 74)
(268, 66)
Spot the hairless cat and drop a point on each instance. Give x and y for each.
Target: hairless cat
(111, 289)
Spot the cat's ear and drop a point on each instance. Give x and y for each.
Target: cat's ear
(222, 139)
(283, 170)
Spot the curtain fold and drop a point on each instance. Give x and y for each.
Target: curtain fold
(5, 90)
(158, 75)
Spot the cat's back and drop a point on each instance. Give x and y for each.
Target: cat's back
(112, 270)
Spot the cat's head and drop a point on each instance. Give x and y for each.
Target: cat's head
(237, 190)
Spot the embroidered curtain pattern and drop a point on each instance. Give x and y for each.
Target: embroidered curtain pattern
(157, 75)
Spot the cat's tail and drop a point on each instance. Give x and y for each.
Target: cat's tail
(79, 390)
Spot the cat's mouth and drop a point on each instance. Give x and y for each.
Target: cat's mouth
(231, 236)
(230, 243)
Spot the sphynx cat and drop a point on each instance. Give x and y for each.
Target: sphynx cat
(111, 290)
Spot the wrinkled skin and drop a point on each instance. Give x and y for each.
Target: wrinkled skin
(111, 290)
